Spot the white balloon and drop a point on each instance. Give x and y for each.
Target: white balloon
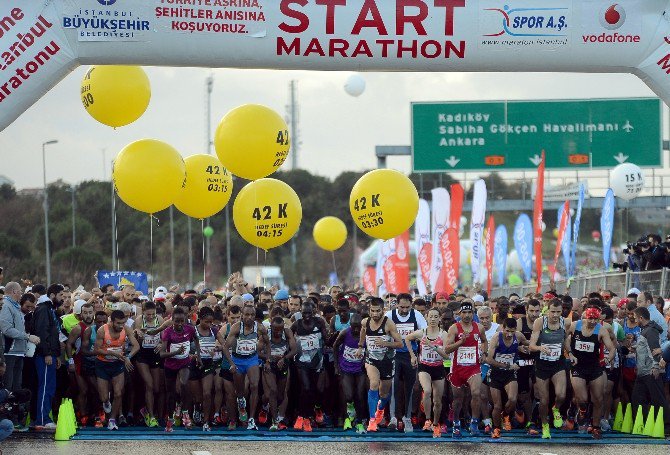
(355, 85)
(627, 181)
(464, 221)
(544, 226)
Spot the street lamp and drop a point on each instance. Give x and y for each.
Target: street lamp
(46, 209)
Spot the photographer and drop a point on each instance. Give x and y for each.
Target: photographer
(654, 253)
(6, 425)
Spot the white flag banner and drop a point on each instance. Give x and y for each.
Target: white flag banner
(440, 220)
(476, 228)
(385, 249)
(423, 246)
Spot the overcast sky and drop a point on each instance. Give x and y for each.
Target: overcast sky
(337, 132)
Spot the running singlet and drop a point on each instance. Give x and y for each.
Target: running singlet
(553, 339)
(586, 349)
(350, 362)
(246, 345)
(526, 331)
(174, 341)
(428, 354)
(506, 354)
(339, 325)
(280, 348)
(112, 345)
(373, 351)
(629, 360)
(405, 328)
(150, 341)
(310, 345)
(207, 343)
(467, 354)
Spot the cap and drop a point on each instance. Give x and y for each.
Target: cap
(159, 296)
(548, 296)
(353, 298)
(466, 306)
(143, 298)
(160, 290)
(635, 291)
(441, 296)
(592, 313)
(281, 294)
(477, 298)
(206, 291)
(623, 302)
(247, 297)
(77, 306)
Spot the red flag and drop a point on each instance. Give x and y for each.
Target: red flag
(396, 267)
(537, 222)
(450, 251)
(562, 227)
(370, 279)
(490, 232)
(425, 259)
(456, 206)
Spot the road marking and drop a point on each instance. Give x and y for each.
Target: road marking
(205, 452)
(547, 453)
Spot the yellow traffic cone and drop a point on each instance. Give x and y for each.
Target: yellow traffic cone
(649, 426)
(659, 426)
(72, 419)
(638, 426)
(62, 430)
(627, 425)
(618, 418)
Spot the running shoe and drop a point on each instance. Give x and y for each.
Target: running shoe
(428, 426)
(408, 425)
(282, 425)
(216, 421)
(99, 423)
(568, 425)
(299, 422)
(169, 426)
(347, 424)
(242, 409)
(605, 425)
(307, 425)
(262, 417)
(456, 431)
(414, 420)
(379, 415)
(107, 407)
(372, 425)
(351, 411)
(546, 434)
(252, 424)
(274, 426)
(153, 423)
(111, 425)
(232, 425)
(206, 427)
(520, 416)
(507, 424)
(597, 433)
(531, 429)
(393, 424)
(474, 428)
(50, 426)
(318, 414)
(186, 420)
(122, 421)
(496, 433)
(487, 429)
(443, 428)
(558, 419)
(360, 429)
(436, 432)
(83, 422)
(197, 418)
(145, 415)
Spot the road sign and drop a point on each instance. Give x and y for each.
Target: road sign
(510, 135)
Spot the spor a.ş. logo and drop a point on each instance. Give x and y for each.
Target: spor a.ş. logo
(613, 17)
(106, 2)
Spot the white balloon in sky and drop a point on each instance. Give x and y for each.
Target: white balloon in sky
(627, 181)
(355, 85)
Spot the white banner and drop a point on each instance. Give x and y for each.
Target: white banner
(476, 228)
(42, 41)
(569, 192)
(440, 221)
(423, 246)
(385, 249)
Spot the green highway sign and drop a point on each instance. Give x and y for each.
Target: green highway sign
(510, 135)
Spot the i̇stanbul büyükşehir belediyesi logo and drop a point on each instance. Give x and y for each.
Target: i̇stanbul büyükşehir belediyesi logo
(613, 17)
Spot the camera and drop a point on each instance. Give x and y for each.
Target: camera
(16, 406)
(623, 266)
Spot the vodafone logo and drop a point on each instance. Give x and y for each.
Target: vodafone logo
(613, 17)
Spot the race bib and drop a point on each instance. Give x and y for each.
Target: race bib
(466, 356)
(507, 359)
(349, 354)
(207, 349)
(525, 363)
(430, 355)
(405, 328)
(175, 347)
(246, 347)
(372, 344)
(277, 351)
(584, 346)
(151, 341)
(309, 342)
(116, 350)
(554, 352)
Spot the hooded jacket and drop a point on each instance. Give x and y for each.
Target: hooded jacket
(646, 343)
(46, 326)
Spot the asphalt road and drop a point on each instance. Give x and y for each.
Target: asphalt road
(45, 446)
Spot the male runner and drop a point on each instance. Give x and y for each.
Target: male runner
(349, 368)
(148, 361)
(380, 339)
(485, 315)
(88, 359)
(233, 316)
(276, 372)
(74, 353)
(526, 374)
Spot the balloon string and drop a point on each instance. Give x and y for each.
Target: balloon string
(332, 253)
(151, 248)
(204, 263)
(258, 269)
(265, 263)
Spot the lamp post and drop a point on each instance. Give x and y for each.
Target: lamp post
(46, 209)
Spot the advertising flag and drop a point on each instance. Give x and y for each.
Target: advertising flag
(523, 243)
(440, 221)
(607, 226)
(457, 196)
(451, 257)
(575, 231)
(476, 228)
(424, 249)
(500, 253)
(537, 222)
(490, 228)
(562, 226)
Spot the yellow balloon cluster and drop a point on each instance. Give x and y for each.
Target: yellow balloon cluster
(330, 233)
(267, 213)
(252, 141)
(115, 95)
(148, 175)
(384, 203)
(207, 189)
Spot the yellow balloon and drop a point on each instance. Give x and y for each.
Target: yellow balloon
(252, 141)
(330, 233)
(115, 95)
(267, 213)
(207, 188)
(384, 203)
(148, 175)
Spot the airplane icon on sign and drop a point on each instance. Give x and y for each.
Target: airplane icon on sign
(628, 127)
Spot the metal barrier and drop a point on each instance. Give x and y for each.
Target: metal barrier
(657, 282)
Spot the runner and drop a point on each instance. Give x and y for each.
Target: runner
(485, 315)
(613, 369)
(407, 320)
(503, 358)
(276, 371)
(245, 340)
(233, 316)
(586, 337)
(380, 339)
(548, 339)
(148, 361)
(431, 370)
(310, 334)
(466, 337)
(111, 364)
(175, 350)
(526, 373)
(88, 360)
(201, 374)
(75, 354)
(349, 368)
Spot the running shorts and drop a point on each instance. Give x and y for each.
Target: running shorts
(459, 375)
(279, 372)
(109, 370)
(149, 357)
(196, 373)
(386, 367)
(498, 379)
(436, 372)
(244, 363)
(547, 370)
(587, 375)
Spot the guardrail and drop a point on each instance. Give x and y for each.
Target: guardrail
(657, 282)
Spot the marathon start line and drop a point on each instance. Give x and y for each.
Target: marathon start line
(331, 435)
